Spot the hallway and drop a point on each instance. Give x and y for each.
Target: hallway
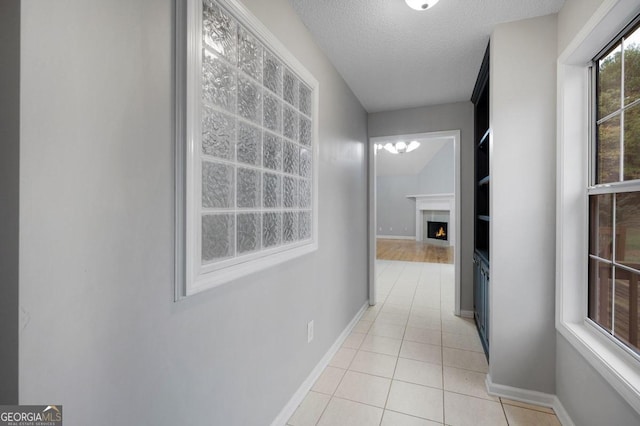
(410, 361)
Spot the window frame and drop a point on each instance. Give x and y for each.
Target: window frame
(609, 188)
(192, 275)
(613, 363)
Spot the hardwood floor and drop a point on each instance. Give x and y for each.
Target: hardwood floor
(413, 251)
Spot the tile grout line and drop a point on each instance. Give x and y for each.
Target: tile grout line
(333, 394)
(386, 401)
(442, 347)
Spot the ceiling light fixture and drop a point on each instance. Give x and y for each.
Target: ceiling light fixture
(421, 4)
(401, 147)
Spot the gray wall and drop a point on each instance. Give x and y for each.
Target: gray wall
(396, 214)
(438, 175)
(523, 123)
(104, 336)
(587, 397)
(456, 116)
(9, 196)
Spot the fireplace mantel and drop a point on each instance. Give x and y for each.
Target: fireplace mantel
(443, 202)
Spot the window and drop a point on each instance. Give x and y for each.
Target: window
(614, 191)
(247, 147)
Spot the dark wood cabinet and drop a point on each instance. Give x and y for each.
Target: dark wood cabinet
(482, 138)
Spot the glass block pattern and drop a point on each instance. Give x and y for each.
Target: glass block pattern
(304, 225)
(248, 232)
(217, 185)
(290, 87)
(290, 192)
(289, 227)
(290, 123)
(271, 229)
(272, 190)
(219, 30)
(248, 188)
(291, 158)
(305, 131)
(218, 134)
(256, 148)
(249, 144)
(304, 193)
(272, 76)
(305, 99)
(249, 54)
(305, 163)
(272, 150)
(272, 113)
(249, 100)
(218, 236)
(218, 82)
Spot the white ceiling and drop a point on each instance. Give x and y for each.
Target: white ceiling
(410, 163)
(394, 57)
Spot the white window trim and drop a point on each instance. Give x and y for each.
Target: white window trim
(190, 276)
(618, 367)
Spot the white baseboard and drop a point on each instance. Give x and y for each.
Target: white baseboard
(304, 388)
(466, 314)
(397, 237)
(530, 397)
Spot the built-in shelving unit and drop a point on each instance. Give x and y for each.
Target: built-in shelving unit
(481, 287)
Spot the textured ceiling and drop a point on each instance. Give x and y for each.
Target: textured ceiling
(394, 57)
(410, 163)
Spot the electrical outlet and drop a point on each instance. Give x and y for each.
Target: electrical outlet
(390, 228)
(309, 331)
(380, 228)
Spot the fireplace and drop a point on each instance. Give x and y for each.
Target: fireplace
(437, 230)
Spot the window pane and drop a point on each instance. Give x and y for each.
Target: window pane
(601, 226)
(608, 162)
(305, 99)
(248, 232)
(632, 67)
(217, 185)
(632, 142)
(272, 151)
(290, 227)
(248, 192)
(271, 229)
(218, 82)
(304, 225)
(305, 131)
(219, 30)
(290, 192)
(249, 139)
(272, 190)
(249, 54)
(218, 134)
(272, 73)
(218, 236)
(249, 100)
(290, 88)
(626, 313)
(609, 82)
(600, 289)
(628, 229)
(290, 123)
(291, 158)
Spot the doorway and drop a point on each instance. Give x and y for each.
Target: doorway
(426, 202)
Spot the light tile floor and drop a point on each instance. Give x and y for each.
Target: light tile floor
(411, 362)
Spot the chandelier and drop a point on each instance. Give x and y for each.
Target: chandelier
(399, 147)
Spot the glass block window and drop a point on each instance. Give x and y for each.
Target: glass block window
(250, 155)
(614, 193)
